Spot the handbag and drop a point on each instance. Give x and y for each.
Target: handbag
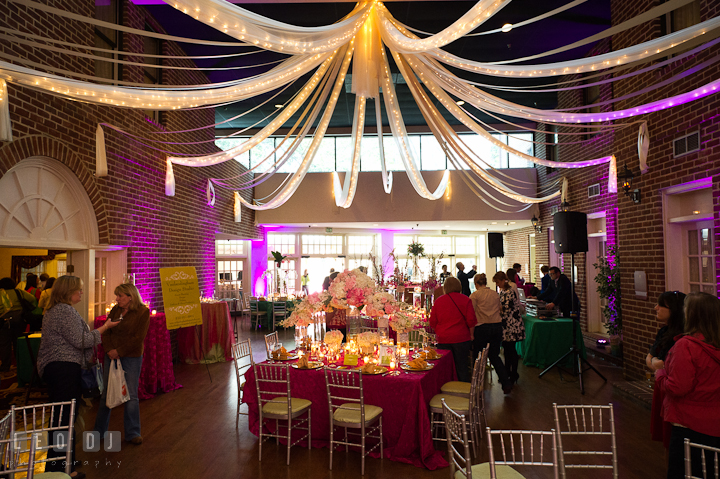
(91, 375)
(117, 392)
(28, 316)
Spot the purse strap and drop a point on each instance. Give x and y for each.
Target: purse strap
(458, 307)
(88, 364)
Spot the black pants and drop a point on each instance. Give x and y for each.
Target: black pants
(63, 380)
(460, 351)
(11, 326)
(511, 359)
(491, 334)
(676, 453)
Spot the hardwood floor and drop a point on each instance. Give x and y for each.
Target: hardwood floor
(191, 432)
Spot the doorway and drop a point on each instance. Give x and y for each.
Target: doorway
(597, 247)
(319, 269)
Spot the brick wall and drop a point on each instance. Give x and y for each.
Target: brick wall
(637, 230)
(130, 203)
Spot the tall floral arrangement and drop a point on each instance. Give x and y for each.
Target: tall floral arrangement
(608, 281)
(432, 282)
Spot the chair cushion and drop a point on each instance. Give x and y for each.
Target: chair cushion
(278, 406)
(352, 415)
(456, 387)
(482, 471)
(51, 475)
(456, 403)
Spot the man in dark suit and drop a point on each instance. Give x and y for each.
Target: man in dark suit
(563, 298)
(464, 278)
(545, 280)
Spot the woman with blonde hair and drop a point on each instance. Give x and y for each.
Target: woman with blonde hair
(125, 343)
(66, 345)
(691, 383)
(44, 301)
(513, 326)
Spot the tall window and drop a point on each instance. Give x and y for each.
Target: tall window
(108, 39)
(322, 244)
(287, 276)
(701, 260)
(230, 247)
(284, 243)
(551, 149)
(230, 263)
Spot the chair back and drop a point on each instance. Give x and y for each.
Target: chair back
(279, 308)
(271, 342)
(707, 455)
(253, 304)
(345, 386)
(243, 359)
(477, 385)
(522, 448)
(368, 324)
(457, 440)
(14, 448)
(415, 337)
(272, 381)
(46, 420)
(585, 432)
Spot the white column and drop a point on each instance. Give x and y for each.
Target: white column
(83, 262)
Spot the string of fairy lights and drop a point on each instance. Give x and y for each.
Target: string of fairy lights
(362, 37)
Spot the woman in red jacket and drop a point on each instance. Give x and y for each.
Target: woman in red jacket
(453, 319)
(691, 382)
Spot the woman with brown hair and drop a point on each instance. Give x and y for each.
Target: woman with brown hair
(126, 343)
(61, 354)
(453, 319)
(691, 382)
(513, 326)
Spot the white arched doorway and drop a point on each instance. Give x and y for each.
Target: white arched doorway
(44, 205)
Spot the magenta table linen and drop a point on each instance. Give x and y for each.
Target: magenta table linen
(157, 373)
(213, 342)
(404, 400)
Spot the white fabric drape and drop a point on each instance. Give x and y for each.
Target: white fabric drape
(643, 146)
(270, 34)
(344, 194)
(5, 125)
(100, 155)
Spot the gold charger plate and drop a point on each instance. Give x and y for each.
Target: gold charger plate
(289, 358)
(378, 370)
(417, 355)
(407, 367)
(311, 365)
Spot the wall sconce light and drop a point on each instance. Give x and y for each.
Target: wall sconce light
(626, 179)
(536, 224)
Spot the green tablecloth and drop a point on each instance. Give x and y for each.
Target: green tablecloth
(267, 306)
(546, 341)
(24, 365)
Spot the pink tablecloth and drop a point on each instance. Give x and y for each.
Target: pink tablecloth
(404, 400)
(213, 342)
(157, 373)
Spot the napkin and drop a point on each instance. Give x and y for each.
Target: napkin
(303, 363)
(418, 363)
(280, 354)
(429, 354)
(368, 368)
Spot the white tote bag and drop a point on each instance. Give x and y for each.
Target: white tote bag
(117, 391)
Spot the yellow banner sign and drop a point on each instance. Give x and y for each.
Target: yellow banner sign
(181, 296)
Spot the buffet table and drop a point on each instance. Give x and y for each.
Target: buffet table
(157, 373)
(212, 343)
(23, 360)
(546, 341)
(404, 400)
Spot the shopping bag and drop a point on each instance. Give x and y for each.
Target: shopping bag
(91, 377)
(117, 392)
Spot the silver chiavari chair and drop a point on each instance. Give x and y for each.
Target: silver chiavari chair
(275, 402)
(709, 461)
(349, 411)
(242, 357)
(590, 429)
(520, 448)
(271, 342)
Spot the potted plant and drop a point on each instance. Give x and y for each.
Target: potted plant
(416, 250)
(608, 281)
(278, 259)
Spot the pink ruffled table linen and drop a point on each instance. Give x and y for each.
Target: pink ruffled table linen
(157, 373)
(213, 342)
(404, 399)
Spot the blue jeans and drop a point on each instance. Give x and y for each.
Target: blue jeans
(132, 367)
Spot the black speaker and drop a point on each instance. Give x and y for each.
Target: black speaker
(495, 245)
(570, 232)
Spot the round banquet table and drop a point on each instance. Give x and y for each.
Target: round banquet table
(404, 399)
(156, 374)
(212, 343)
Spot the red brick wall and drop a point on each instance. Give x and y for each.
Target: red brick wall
(130, 203)
(637, 229)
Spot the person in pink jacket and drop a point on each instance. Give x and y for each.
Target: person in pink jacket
(691, 383)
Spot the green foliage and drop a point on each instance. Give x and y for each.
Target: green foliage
(277, 257)
(608, 281)
(416, 249)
